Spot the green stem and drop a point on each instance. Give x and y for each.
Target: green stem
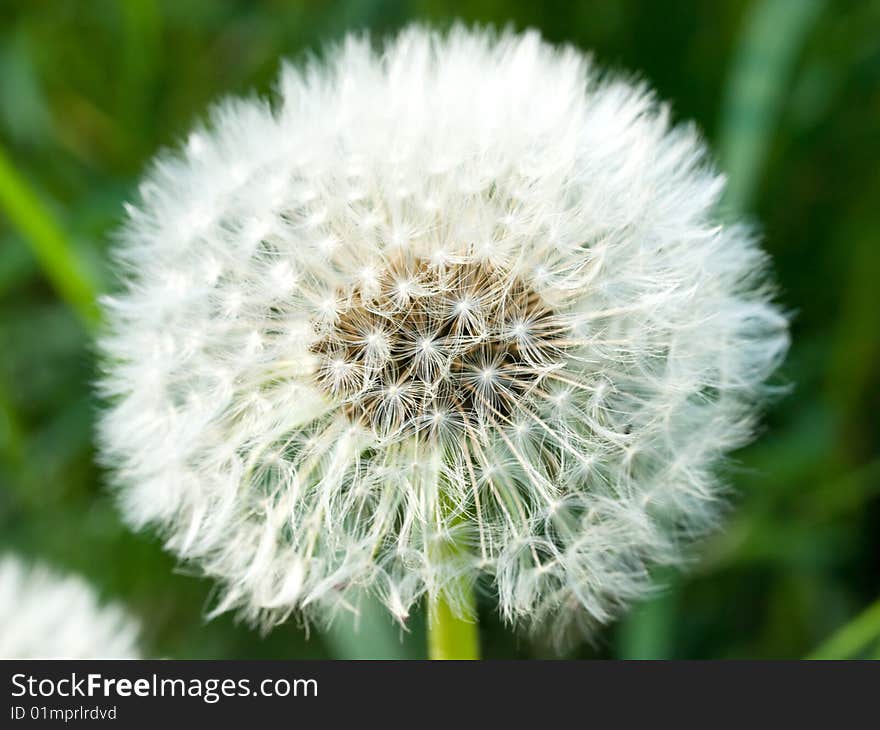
(451, 637)
(452, 634)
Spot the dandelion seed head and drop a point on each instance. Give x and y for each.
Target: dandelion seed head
(44, 615)
(463, 287)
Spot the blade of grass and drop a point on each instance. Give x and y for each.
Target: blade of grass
(759, 77)
(47, 241)
(853, 638)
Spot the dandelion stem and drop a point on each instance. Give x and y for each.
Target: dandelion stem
(451, 637)
(453, 631)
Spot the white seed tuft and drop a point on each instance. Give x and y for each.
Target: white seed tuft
(44, 615)
(466, 287)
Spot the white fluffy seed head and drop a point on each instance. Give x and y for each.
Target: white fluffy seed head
(456, 289)
(44, 615)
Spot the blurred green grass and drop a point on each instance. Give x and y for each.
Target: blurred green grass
(788, 92)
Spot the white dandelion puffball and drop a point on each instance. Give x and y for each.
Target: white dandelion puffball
(456, 307)
(44, 615)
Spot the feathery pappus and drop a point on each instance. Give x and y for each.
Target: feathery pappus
(46, 615)
(462, 289)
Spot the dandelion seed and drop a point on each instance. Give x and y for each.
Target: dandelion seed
(480, 293)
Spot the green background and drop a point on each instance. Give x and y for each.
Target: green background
(786, 91)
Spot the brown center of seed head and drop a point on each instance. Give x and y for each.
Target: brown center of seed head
(434, 350)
